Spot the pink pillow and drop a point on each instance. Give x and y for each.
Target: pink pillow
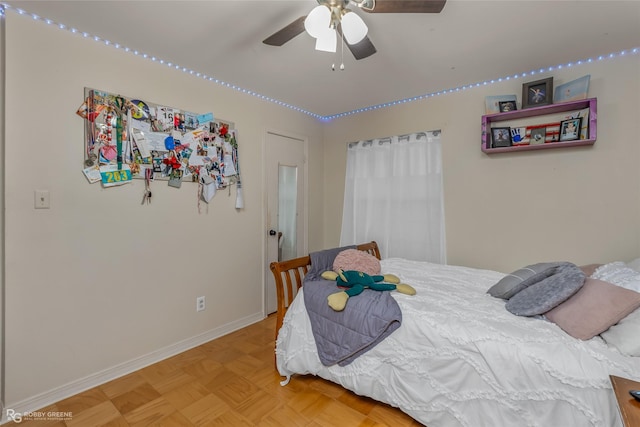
(596, 307)
(354, 259)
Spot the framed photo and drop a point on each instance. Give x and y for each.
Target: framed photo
(538, 135)
(538, 93)
(501, 137)
(492, 103)
(505, 106)
(572, 91)
(570, 129)
(518, 136)
(584, 115)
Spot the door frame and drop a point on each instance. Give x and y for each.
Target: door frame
(3, 218)
(305, 203)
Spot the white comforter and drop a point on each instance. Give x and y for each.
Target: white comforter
(461, 359)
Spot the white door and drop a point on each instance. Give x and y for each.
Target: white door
(286, 213)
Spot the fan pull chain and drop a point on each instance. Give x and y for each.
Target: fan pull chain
(342, 54)
(333, 66)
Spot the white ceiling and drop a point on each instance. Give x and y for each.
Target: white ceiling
(469, 41)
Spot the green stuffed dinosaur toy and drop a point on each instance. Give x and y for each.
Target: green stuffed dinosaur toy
(357, 281)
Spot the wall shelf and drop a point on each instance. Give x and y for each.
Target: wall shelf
(489, 119)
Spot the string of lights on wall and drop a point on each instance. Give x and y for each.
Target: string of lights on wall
(329, 118)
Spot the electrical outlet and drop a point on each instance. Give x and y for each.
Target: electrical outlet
(200, 305)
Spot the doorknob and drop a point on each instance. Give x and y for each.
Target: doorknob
(272, 232)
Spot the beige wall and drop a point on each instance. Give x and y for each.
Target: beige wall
(99, 280)
(99, 283)
(507, 210)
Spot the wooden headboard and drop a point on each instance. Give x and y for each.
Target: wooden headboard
(290, 273)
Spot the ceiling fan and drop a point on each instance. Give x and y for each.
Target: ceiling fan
(333, 17)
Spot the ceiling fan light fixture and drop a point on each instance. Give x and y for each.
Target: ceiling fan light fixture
(318, 21)
(327, 41)
(368, 5)
(353, 27)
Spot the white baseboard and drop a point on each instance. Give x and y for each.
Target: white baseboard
(70, 389)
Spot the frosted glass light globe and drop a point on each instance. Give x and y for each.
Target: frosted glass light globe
(317, 21)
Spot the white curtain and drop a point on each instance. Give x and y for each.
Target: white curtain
(393, 195)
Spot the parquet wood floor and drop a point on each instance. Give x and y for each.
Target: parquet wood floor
(230, 381)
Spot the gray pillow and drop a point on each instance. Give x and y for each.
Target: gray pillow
(541, 297)
(520, 279)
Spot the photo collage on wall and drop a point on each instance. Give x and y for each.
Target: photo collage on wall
(128, 138)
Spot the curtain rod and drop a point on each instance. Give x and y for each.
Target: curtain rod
(389, 139)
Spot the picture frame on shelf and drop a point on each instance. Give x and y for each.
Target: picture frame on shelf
(570, 129)
(538, 135)
(537, 93)
(584, 115)
(505, 106)
(492, 103)
(518, 136)
(574, 90)
(501, 137)
(548, 117)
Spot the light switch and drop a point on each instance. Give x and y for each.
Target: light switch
(41, 199)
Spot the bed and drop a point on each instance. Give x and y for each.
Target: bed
(459, 358)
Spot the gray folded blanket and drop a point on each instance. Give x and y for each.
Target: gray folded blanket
(343, 336)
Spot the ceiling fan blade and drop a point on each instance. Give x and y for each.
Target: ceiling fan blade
(287, 33)
(407, 6)
(363, 49)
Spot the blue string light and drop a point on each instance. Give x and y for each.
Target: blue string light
(4, 7)
(633, 51)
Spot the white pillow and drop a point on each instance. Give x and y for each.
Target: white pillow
(619, 274)
(624, 335)
(635, 264)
